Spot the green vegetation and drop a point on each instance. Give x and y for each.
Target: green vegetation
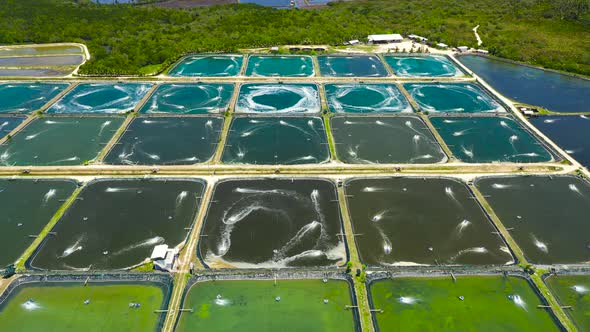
(127, 39)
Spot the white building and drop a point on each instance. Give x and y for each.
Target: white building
(442, 45)
(163, 257)
(385, 39)
(418, 38)
(463, 48)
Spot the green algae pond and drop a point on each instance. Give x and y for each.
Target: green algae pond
(278, 98)
(27, 97)
(573, 290)
(167, 141)
(472, 303)
(27, 205)
(366, 98)
(421, 221)
(276, 141)
(214, 65)
(115, 223)
(54, 141)
(423, 66)
(189, 98)
(272, 223)
(548, 214)
(268, 305)
(453, 98)
(71, 306)
(370, 139)
(352, 66)
(8, 123)
(280, 65)
(105, 98)
(490, 140)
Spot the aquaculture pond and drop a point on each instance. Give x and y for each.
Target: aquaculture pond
(167, 141)
(278, 98)
(72, 306)
(115, 224)
(422, 66)
(7, 124)
(268, 305)
(272, 223)
(39, 50)
(472, 303)
(111, 98)
(190, 98)
(281, 4)
(421, 221)
(489, 140)
(276, 141)
(369, 139)
(57, 60)
(27, 206)
(353, 65)
(208, 65)
(453, 98)
(366, 98)
(551, 90)
(47, 72)
(548, 214)
(54, 141)
(573, 290)
(27, 97)
(571, 133)
(286, 66)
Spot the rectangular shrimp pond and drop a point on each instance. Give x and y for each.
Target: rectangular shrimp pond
(55, 141)
(471, 303)
(167, 141)
(208, 65)
(269, 305)
(189, 98)
(489, 140)
(366, 98)
(9, 123)
(272, 223)
(423, 66)
(453, 98)
(27, 97)
(115, 223)
(276, 141)
(278, 98)
(573, 290)
(548, 214)
(284, 66)
(352, 66)
(371, 139)
(571, 133)
(63, 305)
(27, 205)
(421, 221)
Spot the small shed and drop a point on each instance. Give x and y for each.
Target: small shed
(353, 42)
(463, 48)
(442, 45)
(418, 38)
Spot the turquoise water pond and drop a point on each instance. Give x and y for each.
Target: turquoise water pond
(27, 97)
(423, 66)
(453, 98)
(366, 98)
(208, 66)
(191, 98)
(286, 66)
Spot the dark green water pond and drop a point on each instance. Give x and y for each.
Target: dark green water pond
(278, 98)
(27, 97)
(411, 221)
(571, 133)
(106, 98)
(115, 224)
(190, 98)
(353, 65)
(490, 303)
(272, 223)
(369, 139)
(490, 139)
(286, 66)
(366, 98)
(60, 306)
(453, 98)
(276, 141)
(27, 206)
(208, 65)
(573, 290)
(53, 141)
(549, 215)
(263, 305)
(167, 141)
(422, 66)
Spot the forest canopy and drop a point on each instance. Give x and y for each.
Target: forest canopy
(129, 39)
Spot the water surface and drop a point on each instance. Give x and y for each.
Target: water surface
(551, 90)
(286, 66)
(366, 98)
(208, 65)
(27, 97)
(453, 98)
(354, 65)
(278, 98)
(191, 98)
(548, 215)
(7, 124)
(571, 133)
(55, 60)
(423, 66)
(573, 290)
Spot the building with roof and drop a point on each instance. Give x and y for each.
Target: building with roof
(385, 39)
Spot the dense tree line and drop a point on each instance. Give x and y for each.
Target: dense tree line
(127, 39)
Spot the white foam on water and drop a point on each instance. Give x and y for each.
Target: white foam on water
(180, 198)
(151, 242)
(31, 305)
(549, 120)
(518, 301)
(51, 193)
(308, 99)
(222, 301)
(467, 152)
(407, 300)
(474, 250)
(540, 245)
(76, 246)
(575, 189)
(501, 186)
(103, 126)
(4, 124)
(374, 189)
(580, 289)
(462, 225)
